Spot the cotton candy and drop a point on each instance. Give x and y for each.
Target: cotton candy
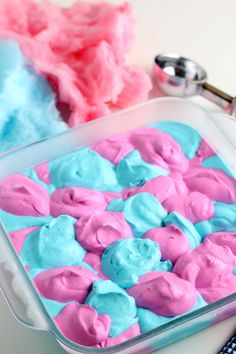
(81, 51)
(28, 106)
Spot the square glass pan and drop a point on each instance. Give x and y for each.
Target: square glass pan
(14, 281)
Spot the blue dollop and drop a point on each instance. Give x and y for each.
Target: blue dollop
(187, 137)
(108, 298)
(142, 211)
(217, 163)
(17, 222)
(186, 226)
(28, 104)
(126, 260)
(224, 220)
(53, 245)
(84, 168)
(133, 171)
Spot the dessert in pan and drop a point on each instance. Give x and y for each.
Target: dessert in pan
(127, 234)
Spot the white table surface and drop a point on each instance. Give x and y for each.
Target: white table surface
(202, 30)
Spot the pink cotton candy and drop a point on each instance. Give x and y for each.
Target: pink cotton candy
(76, 202)
(195, 206)
(164, 293)
(97, 232)
(65, 284)
(20, 195)
(81, 50)
(83, 325)
(18, 237)
(171, 240)
(215, 184)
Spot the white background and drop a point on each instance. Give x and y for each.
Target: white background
(202, 30)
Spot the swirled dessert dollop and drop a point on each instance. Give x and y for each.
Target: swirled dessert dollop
(171, 241)
(195, 206)
(159, 148)
(124, 261)
(164, 293)
(53, 245)
(20, 195)
(97, 232)
(114, 149)
(108, 298)
(206, 267)
(83, 325)
(85, 168)
(76, 202)
(71, 283)
(133, 171)
(142, 211)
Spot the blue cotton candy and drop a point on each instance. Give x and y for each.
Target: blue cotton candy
(84, 168)
(53, 245)
(142, 211)
(126, 260)
(224, 220)
(108, 298)
(186, 226)
(187, 137)
(133, 171)
(28, 105)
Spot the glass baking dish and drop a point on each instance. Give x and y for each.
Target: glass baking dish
(14, 281)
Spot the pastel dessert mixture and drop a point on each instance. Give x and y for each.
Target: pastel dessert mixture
(123, 236)
(63, 64)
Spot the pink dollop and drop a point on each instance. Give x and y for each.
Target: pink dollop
(70, 283)
(20, 195)
(83, 325)
(161, 187)
(131, 332)
(159, 148)
(220, 289)
(171, 240)
(76, 202)
(97, 232)
(164, 293)
(114, 149)
(43, 172)
(81, 50)
(179, 184)
(94, 260)
(215, 184)
(206, 265)
(224, 239)
(195, 206)
(18, 237)
(205, 150)
(109, 196)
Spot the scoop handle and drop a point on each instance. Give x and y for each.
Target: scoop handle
(222, 99)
